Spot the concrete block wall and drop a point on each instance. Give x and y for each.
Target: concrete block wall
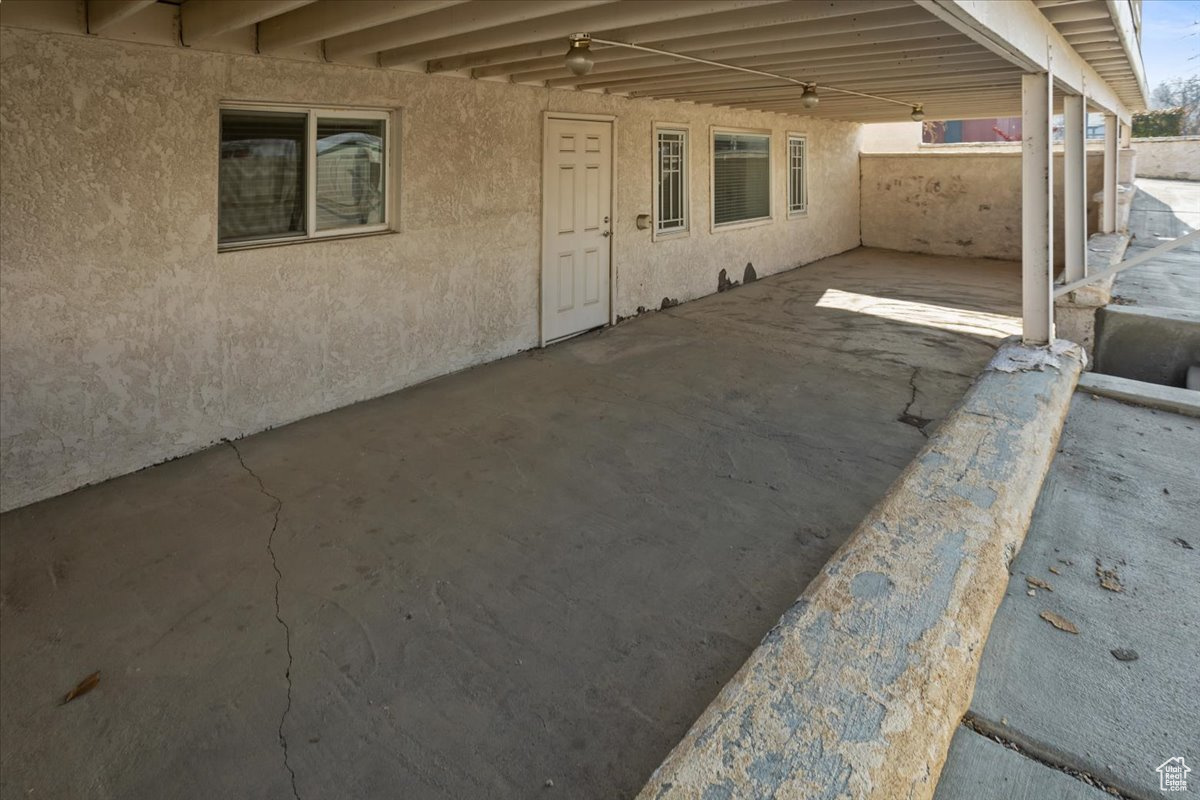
(964, 201)
(127, 339)
(1171, 157)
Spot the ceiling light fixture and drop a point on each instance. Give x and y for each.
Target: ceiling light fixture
(579, 55)
(579, 61)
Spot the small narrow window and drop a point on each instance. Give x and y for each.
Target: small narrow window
(741, 177)
(301, 173)
(671, 197)
(797, 175)
(262, 175)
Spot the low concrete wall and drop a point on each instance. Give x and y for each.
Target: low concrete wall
(860, 687)
(1174, 157)
(1139, 393)
(964, 201)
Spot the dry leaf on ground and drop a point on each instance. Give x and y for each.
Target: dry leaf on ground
(1039, 583)
(83, 687)
(1062, 623)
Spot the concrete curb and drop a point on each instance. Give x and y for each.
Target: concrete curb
(859, 688)
(1139, 393)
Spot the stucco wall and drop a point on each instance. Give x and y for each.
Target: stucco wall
(1174, 157)
(891, 137)
(959, 203)
(128, 339)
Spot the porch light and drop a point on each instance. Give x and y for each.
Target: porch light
(918, 113)
(809, 98)
(579, 56)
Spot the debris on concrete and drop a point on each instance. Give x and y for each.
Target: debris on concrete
(1019, 358)
(1124, 654)
(1109, 579)
(1031, 592)
(1055, 570)
(1060, 622)
(1181, 542)
(1039, 583)
(83, 687)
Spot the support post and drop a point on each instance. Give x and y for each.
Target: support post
(1108, 222)
(1075, 186)
(1037, 210)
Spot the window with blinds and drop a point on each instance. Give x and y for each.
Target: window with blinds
(741, 177)
(797, 176)
(671, 198)
(291, 173)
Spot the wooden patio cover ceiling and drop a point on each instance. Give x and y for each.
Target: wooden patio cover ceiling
(893, 48)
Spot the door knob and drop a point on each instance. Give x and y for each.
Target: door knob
(606, 234)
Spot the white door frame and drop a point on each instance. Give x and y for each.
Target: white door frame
(612, 194)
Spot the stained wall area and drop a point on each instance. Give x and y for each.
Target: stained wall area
(1171, 157)
(127, 339)
(959, 203)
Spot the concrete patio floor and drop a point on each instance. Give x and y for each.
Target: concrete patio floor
(527, 578)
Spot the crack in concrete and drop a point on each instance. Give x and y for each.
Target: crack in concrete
(983, 728)
(906, 416)
(287, 631)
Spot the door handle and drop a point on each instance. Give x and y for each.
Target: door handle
(606, 234)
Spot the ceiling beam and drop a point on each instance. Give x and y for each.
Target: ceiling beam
(326, 19)
(775, 62)
(1122, 17)
(1075, 13)
(458, 20)
(102, 14)
(556, 26)
(204, 19)
(723, 39)
(610, 59)
(827, 75)
(1018, 32)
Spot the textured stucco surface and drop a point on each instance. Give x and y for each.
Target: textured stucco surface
(857, 691)
(127, 339)
(964, 203)
(1170, 157)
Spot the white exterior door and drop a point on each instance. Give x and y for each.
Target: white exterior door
(576, 214)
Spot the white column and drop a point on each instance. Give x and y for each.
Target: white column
(1037, 210)
(1108, 221)
(1075, 186)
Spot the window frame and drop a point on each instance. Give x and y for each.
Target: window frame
(310, 234)
(714, 226)
(794, 213)
(685, 231)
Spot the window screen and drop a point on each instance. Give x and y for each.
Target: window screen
(672, 181)
(350, 170)
(261, 181)
(797, 190)
(741, 177)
